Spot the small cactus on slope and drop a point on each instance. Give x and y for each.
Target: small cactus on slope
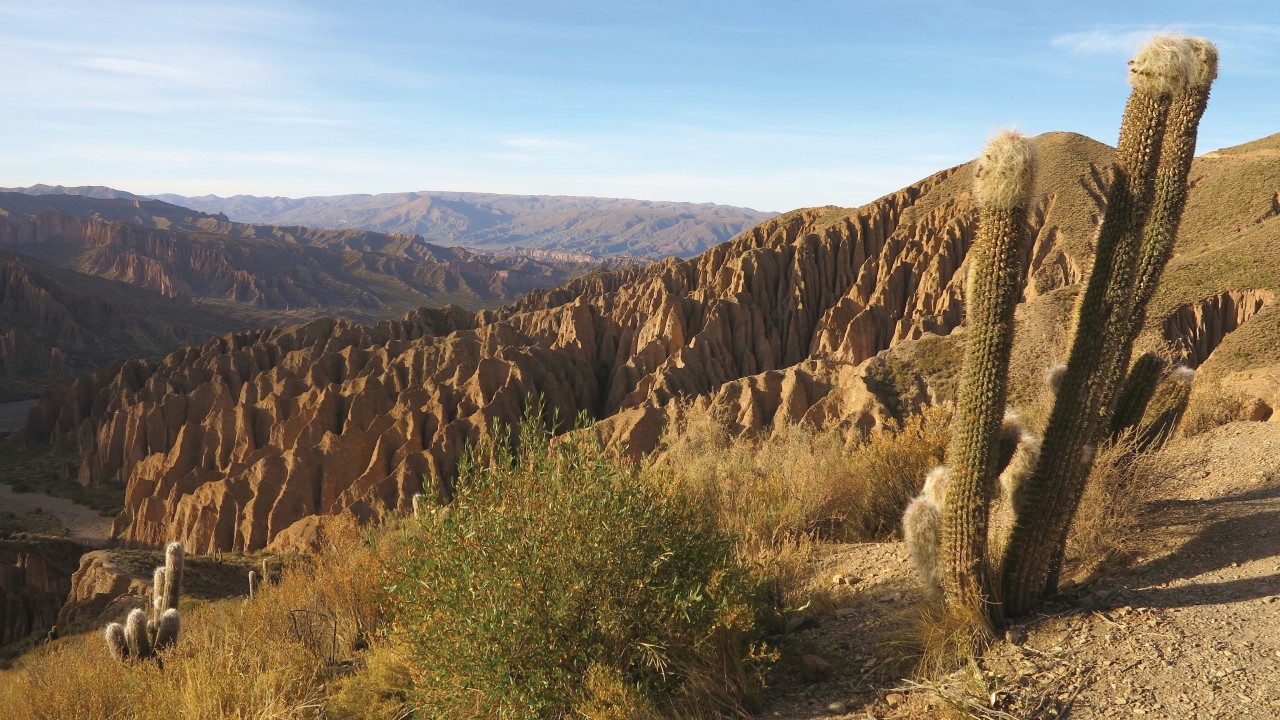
(142, 637)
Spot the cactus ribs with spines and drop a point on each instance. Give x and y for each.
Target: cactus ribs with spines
(1083, 406)
(1095, 393)
(140, 638)
(1002, 186)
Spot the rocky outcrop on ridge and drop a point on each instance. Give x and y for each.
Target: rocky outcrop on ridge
(250, 440)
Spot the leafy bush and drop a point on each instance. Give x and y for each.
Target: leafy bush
(554, 563)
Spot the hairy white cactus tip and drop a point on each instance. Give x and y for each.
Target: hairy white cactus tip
(175, 548)
(935, 485)
(1206, 62)
(1004, 172)
(1164, 66)
(1053, 376)
(1183, 374)
(1011, 427)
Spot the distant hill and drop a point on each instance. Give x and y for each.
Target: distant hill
(599, 227)
(57, 323)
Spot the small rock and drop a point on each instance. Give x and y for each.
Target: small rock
(814, 669)
(894, 699)
(837, 708)
(800, 623)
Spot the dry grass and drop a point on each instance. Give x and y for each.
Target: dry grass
(1104, 532)
(234, 659)
(937, 640)
(785, 494)
(1212, 406)
(796, 482)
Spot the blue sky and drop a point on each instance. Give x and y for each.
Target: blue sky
(771, 105)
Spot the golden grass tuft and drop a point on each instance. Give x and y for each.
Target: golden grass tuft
(1211, 406)
(1104, 533)
(797, 482)
(234, 659)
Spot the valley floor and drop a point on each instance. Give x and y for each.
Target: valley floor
(1191, 629)
(85, 525)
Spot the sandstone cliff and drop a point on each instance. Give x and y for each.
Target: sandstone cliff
(826, 315)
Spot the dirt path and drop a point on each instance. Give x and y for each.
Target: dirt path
(1190, 630)
(86, 525)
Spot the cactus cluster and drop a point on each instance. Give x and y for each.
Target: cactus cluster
(140, 637)
(1096, 395)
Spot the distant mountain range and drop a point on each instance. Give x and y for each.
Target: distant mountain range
(86, 281)
(598, 227)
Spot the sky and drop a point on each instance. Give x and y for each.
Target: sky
(770, 105)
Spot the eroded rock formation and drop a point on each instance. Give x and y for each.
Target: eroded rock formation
(249, 440)
(35, 577)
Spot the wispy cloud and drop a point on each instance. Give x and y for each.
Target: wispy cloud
(538, 144)
(140, 68)
(1105, 40)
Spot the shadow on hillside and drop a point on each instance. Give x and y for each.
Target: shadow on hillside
(1242, 528)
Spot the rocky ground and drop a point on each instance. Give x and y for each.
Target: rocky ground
(1191, 629)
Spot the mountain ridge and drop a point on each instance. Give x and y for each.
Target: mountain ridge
(599, 227)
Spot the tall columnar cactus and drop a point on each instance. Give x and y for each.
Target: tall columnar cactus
(174, 555)
(1002, 186)
(1082, 409)
(1138, 388)
(142, 637)
(1176, 155)
(1155, 244)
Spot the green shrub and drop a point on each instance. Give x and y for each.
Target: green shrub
(554, 561)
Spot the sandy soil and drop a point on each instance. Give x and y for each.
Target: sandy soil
(86, 525)
(1190, 630)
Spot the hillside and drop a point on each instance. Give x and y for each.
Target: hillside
(180, 253)
(56, 324)
(91, 281)
(248, 441)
